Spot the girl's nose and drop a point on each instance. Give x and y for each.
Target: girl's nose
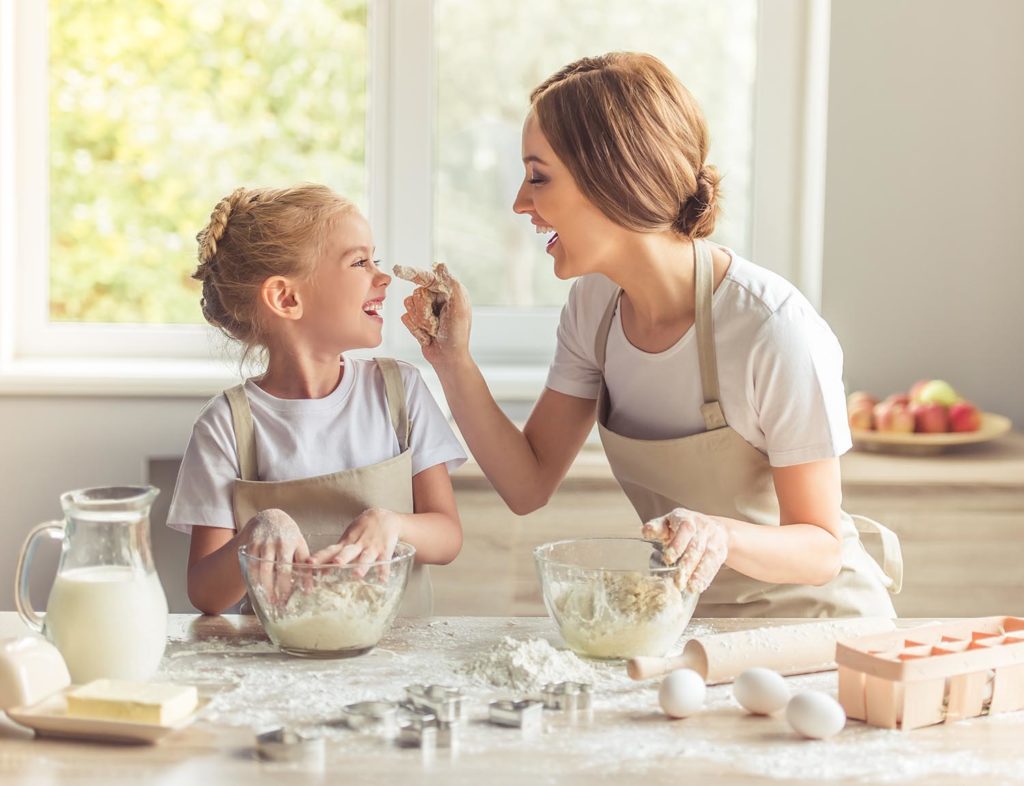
(523, 202)
(380, 278)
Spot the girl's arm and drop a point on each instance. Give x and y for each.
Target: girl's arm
(214, 576)
(433, 528)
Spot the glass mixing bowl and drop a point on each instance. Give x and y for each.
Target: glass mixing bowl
(326, 611)
(613, 597)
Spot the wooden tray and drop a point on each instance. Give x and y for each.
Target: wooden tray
(49, 718)
(992, 427)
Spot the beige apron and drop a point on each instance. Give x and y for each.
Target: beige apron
(719, 473)
(323, 506)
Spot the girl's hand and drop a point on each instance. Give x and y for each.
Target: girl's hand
(371, 537)
(698, 543)
(273, 536)
(438, 314)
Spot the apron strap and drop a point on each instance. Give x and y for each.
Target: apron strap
(241, 416)
(704, 287)
(892, 554)
(601, 339)
(394, 391)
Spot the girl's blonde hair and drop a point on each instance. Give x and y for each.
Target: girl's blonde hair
(635, 141)
(253, 234)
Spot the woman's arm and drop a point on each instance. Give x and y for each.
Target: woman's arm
(805, 549)
(525, 467)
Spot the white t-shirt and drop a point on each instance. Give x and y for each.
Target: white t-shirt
(779, 368)
(303, 438)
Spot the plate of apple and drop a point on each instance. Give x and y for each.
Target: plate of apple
(928, 418)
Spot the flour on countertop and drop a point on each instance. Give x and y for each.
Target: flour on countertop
(527, 665)
(252, 686)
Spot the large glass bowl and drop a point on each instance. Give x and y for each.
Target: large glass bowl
(613, 597)
(326, 611)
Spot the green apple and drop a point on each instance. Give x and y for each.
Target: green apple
(937, 391)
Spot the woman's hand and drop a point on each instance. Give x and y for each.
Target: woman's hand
(371, 537)
(698, 543)
(439, 316)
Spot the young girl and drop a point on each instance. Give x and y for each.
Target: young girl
(322, 458)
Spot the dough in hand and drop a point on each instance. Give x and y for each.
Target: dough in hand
(438, 284)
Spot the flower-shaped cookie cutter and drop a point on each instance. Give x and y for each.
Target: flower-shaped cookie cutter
(444, 702)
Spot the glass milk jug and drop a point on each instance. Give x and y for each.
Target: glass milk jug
(107, 612)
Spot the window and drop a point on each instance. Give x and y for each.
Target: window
(123, 124)
(158, 110)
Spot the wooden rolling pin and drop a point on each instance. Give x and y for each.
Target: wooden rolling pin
(788, 649)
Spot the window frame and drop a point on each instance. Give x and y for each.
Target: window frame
(37, 356)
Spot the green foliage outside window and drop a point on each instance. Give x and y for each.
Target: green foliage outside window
(158, 108)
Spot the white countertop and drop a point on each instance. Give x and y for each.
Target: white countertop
(251, 688)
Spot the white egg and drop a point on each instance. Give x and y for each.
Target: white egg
(761, 691)
(816, 715)
(682, 693)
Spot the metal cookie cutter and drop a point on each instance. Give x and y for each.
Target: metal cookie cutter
(444, 702)
(420, 727)
(285, 745)
(568, 696)
(416, 728)
(522, 714)
(373, 717)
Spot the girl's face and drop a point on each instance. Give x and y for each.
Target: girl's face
(343, 300)
(581, 234)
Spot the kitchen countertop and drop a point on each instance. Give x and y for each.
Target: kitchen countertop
(251, 687)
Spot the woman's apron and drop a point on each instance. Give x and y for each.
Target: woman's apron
(323, 506)
(719, 473)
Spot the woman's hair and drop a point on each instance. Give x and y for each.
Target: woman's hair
(635, 141)
(253, 234)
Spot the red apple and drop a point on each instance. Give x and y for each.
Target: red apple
(898, 398)
(964, 416)
(930, 417)
(858, 396)
(860, 415)
(894, 416)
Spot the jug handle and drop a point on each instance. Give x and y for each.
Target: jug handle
(55, 529)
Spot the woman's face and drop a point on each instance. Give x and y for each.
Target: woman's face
(550, 196)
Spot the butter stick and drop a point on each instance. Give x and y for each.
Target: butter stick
(158, 703)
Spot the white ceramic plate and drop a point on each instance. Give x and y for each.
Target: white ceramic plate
(50, 718)
(992, 427)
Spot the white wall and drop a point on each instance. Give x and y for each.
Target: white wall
(923, 272)
(923, 261)
(51, 444)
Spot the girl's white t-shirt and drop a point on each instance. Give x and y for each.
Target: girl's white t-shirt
(302, 438)
(780, 368)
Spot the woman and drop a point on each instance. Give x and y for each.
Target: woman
(716, 386)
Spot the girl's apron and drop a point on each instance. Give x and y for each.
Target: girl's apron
(323, 506)
(719, 473)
